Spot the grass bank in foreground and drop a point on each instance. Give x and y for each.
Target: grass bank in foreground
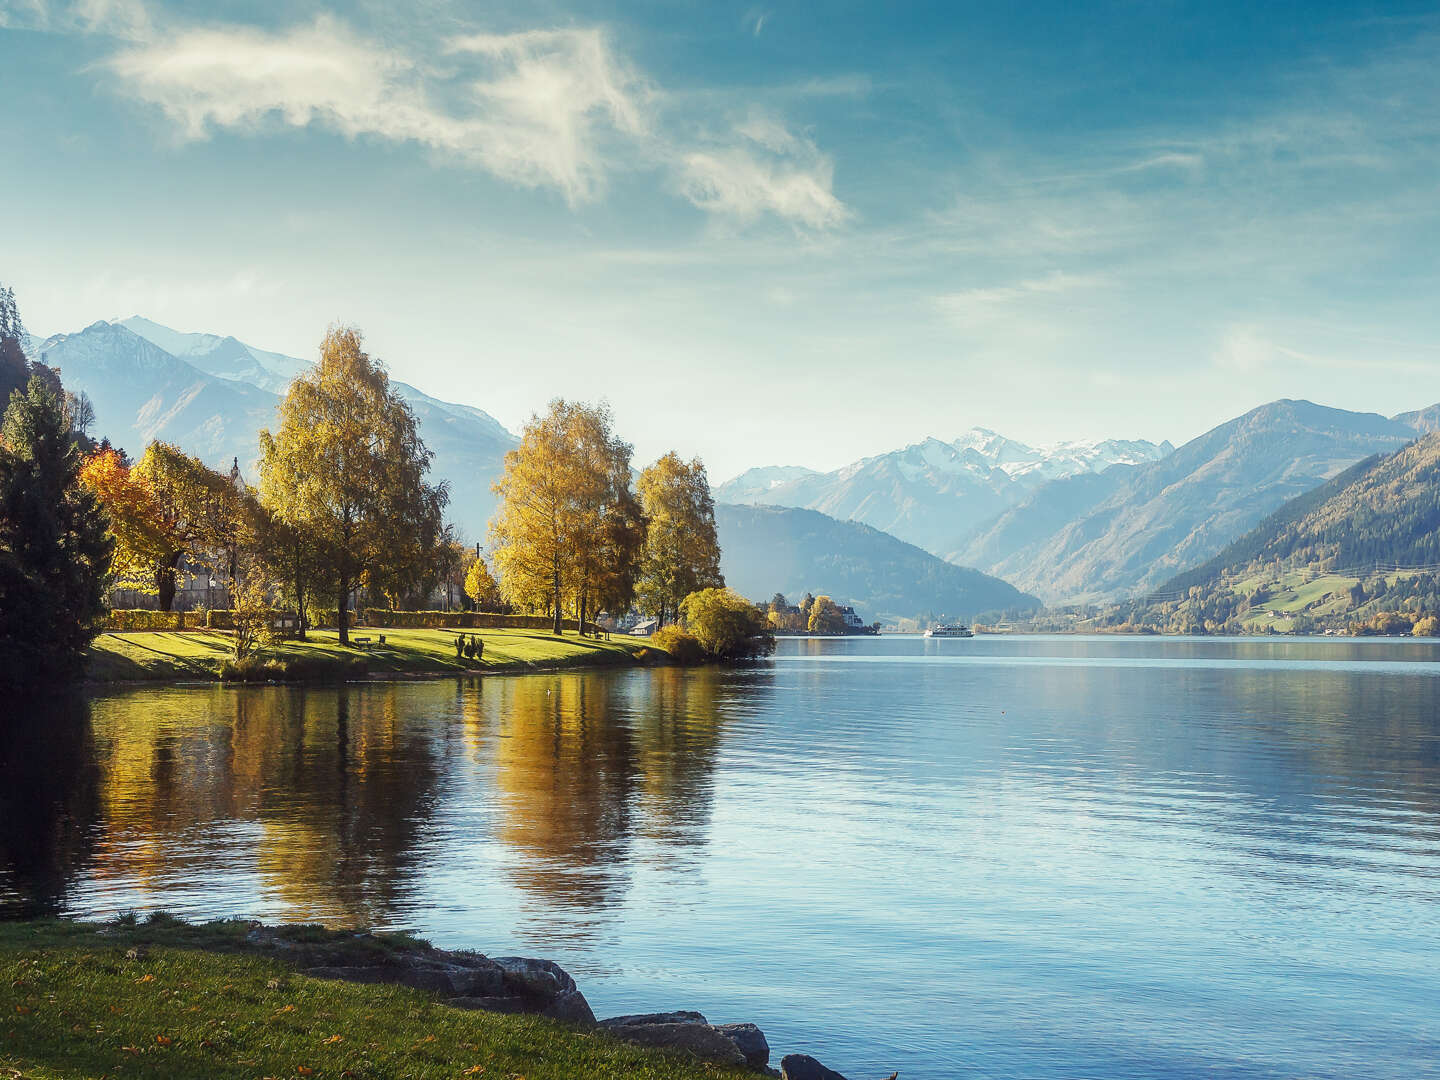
(200, 654)
(171, 1001)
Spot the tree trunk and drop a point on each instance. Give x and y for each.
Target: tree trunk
(165, 582)
(556, 597)
(299, 593)
(583, 606)
(342, 605)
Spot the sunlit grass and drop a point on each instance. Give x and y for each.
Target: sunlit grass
(198, 654)
(169, 1001)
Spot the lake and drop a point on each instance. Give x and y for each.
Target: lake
(998, 857)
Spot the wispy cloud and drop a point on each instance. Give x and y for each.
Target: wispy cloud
(763, 167)
(561, 109)
(532, 109)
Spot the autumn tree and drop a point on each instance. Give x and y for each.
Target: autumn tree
(480, 586)
(825, 617)
(727, 626)
(681, 553)
(346, 469)
(567, 523)
(54, 548)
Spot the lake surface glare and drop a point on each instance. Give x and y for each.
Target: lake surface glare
(1002, 857)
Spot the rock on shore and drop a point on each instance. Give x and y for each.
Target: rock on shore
(516, 984)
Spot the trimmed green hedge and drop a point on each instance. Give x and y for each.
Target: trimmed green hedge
(123, 619)
(463, 620)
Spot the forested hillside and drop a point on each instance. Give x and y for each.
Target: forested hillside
(1363, 545)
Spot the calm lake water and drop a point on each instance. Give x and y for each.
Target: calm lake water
(1004, 857)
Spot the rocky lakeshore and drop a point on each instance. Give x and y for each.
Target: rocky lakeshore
(463, 979)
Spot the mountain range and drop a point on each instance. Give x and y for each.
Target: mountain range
(1069, 522)
(932, 492)
(1128, 529)
(770, 549)
(211, 394)
(1366, 541)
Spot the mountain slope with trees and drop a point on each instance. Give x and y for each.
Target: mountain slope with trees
(1094, 538)
(1363, 544)
(769, 549)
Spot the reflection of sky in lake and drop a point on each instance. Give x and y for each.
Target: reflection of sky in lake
(1018, 857)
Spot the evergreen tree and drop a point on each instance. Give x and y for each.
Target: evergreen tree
(54, 547)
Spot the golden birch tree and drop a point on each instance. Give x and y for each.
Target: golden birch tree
(346, 468)
(681, 553)
(563, 531)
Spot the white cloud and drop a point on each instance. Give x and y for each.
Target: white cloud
(533, 107)
(765, 168)
(555, 108)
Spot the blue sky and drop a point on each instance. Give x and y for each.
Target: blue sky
(767, 233)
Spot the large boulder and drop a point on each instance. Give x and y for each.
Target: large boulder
(690, 1032)
(751, 1041)
(805, 1067)
(548, 985)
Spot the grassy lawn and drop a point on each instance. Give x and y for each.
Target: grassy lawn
(198, 654)
(166, 1000)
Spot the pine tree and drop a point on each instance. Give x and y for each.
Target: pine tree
(54, 546)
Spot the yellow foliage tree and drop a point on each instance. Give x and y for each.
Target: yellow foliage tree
(682, 553)
(169, 507)
(480, 586)
(346, 469)
(825, 617)
(565, 527)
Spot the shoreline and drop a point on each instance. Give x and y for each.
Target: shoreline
(130, 659)
(268, 997)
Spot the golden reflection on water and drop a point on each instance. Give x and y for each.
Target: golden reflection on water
(323, 804)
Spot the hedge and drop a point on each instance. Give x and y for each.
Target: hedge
(123, 619)
(464, 620)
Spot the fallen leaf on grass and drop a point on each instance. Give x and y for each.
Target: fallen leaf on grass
(333, 1039)
(304, 1070)
(475, 1070)
(164, 1040)
(286, 1009)
(145, 979)
(130, 1049)
(22, 1009)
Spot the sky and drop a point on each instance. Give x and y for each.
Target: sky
(775, 233)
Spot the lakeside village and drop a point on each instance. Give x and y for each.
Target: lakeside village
(337, 560)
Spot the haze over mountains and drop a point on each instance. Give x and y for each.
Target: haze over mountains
(770, 549)
(931, 492)
(1081, 522)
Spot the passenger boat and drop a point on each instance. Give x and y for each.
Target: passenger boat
(949, 630)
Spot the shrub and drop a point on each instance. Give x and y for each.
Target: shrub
(727, 626)
(1429, 626)
(683, 647)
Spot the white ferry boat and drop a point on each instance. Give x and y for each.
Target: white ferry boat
(949, 630)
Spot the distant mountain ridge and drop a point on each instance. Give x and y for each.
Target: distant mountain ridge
(1365, 541)
(769, 549)
(930, 492)
(1097, 538)
(214, 395)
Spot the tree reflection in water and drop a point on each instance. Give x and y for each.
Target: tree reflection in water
(49, 808)
(370, 804)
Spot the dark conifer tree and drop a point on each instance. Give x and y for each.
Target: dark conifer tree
(54, 546)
